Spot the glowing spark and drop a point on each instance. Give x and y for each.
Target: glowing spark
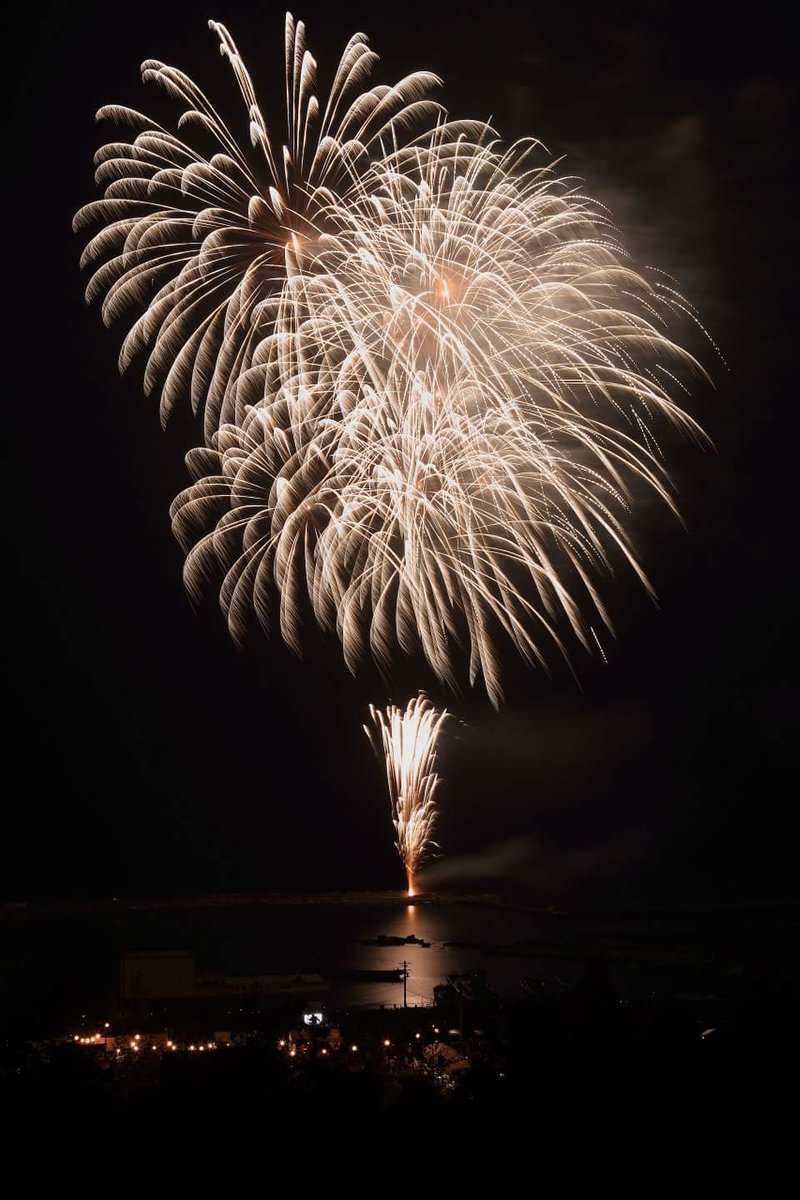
(472, 459)
(407, 740)
(206, 242)
(430, 377)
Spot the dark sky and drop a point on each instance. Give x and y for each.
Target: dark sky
(146, 755)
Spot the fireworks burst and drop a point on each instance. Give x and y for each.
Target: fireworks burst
(407, 739)
(203, 230)
(432, 381)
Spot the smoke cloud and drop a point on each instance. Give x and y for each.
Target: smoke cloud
(530, 861)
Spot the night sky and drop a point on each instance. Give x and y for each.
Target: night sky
(146, 755)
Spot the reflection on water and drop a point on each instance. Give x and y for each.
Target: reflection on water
(67, 958)
(428, 966)
(308, 935)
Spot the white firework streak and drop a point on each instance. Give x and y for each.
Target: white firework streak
(203, 241)
(431, 380)
(452, 455)
(407, 739)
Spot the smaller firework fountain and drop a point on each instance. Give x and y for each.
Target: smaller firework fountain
(407, 739)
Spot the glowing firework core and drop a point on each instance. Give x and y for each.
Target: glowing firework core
(408, 738)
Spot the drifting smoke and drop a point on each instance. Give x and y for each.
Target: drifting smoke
(532, 863)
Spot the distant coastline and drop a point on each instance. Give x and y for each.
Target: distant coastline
(390, 900)
(138, 904)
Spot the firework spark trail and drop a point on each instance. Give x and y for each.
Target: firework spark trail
(462, 463)
(432, 380)
(407, 740)
(205, 242)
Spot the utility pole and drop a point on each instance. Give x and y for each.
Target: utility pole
(405, 979)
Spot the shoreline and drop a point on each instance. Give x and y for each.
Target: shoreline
(391, 900)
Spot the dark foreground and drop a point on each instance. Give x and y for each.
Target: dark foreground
(702, 1000)
(468, 1050)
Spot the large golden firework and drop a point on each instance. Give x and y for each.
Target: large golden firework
(432, 380)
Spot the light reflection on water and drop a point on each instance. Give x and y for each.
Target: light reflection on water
(71, 954)
(431, 965)
(306, 936)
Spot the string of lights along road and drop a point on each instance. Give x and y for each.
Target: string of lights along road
(431, 381)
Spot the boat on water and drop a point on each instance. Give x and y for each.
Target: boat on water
(388, 939)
